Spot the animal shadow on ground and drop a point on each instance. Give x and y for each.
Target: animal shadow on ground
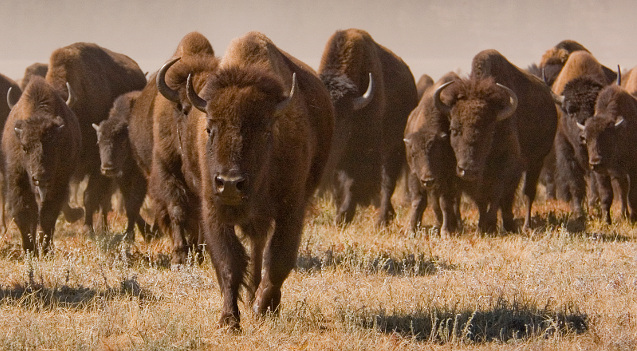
(501, 322)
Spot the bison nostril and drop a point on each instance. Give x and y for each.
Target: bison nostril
(240, 184)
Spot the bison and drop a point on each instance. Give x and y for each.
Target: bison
(98, 76)
(262, 151)
(368, 152)
(13, 92)
(35, 69)
(503, 122)
(555, 58)
(432, 163)
(174, 174)
(117, 161)
(41, 143)
(610, 137)
(629, 82)
(424, 83)
(576, 89)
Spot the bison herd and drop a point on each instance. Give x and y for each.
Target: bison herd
(244, 141)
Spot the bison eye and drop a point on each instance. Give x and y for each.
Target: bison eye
(582, 139)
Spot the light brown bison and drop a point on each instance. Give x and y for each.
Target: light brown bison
(117, 162)
(555, 58)
(262, 155)
(611, 138)
(41, 143)
(97, 76)
(497, 131)
(174, 173)
(368, 152)
(432, 163)
(576, 89)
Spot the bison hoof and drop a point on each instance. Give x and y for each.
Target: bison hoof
(576, 225)
(230, 322)
(267, 301)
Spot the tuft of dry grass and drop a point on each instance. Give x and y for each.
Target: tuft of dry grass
(355, 288)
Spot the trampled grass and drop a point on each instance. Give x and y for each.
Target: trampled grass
(355, 288)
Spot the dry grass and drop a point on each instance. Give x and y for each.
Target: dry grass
(355, 288)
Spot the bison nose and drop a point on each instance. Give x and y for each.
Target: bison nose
(229, 185)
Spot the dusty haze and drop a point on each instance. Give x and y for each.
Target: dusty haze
(433, 37)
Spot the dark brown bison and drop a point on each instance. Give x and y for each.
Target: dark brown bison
(12, 91)
(503, 121)
(367, 149)
(117, 162)
(432, 163)
(262, 155)
(174, 174)
(36, 69)
(576, 89)
(97, 76)
(41, 143)
(611, 137)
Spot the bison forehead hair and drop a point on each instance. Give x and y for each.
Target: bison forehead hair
(39, 93)
(37, 126)
(338, 84)
(478, 90)
(608, 100)
(235, 77)
(583, 90)
(112, 126)
(178, 73)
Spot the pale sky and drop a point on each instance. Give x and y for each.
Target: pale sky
(433, 37)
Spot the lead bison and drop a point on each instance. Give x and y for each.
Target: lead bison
(117, 162)
(262, 156)
(582, 78)
(174, 175)
(367, 150)
(98, 76)
(41, 142)
(503, 122)
(432, 163)
(610, 137)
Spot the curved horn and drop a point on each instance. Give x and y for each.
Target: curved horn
(558, 99)
(438, 103)
(619, 76)
(362, 101)
(195, 99)
(544, 76)
(9, 102)
(281, 106)
(509, 110)
(580, 126)
(70, 100)
(619, 122)
(163, 88)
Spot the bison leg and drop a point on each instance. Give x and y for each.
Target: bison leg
(97, 189)
(632, 200)
(530, 190)
(621, 185)
(48, 217)
(22, 208)
(605, 191)
(418, 202)
(571, 174)
(346, 206)
(280, 258)
(390, 173)
(257, 232)
(230, 261)
(450, 206)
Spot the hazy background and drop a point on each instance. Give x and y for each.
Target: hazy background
(432, 36)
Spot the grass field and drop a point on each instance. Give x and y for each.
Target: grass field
(355, 288)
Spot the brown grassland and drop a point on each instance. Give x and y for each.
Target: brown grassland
(355, 288)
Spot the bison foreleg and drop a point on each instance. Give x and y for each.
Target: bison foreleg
(418, 202)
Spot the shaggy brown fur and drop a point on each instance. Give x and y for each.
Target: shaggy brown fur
(259, 167)
(41, 142)
(432, 163)
(367, 150)
(555, 58)
(173, 179)
(36, 69)
(629, 81)
(5, 84)
(424, 83)
(117, 162)
(97, 76)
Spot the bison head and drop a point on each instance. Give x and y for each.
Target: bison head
(171, 78)
(114, 146)
(430, 156)
(38, 137)
(475, 108)
(242, 110)
(347, 99)
(600, 135)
